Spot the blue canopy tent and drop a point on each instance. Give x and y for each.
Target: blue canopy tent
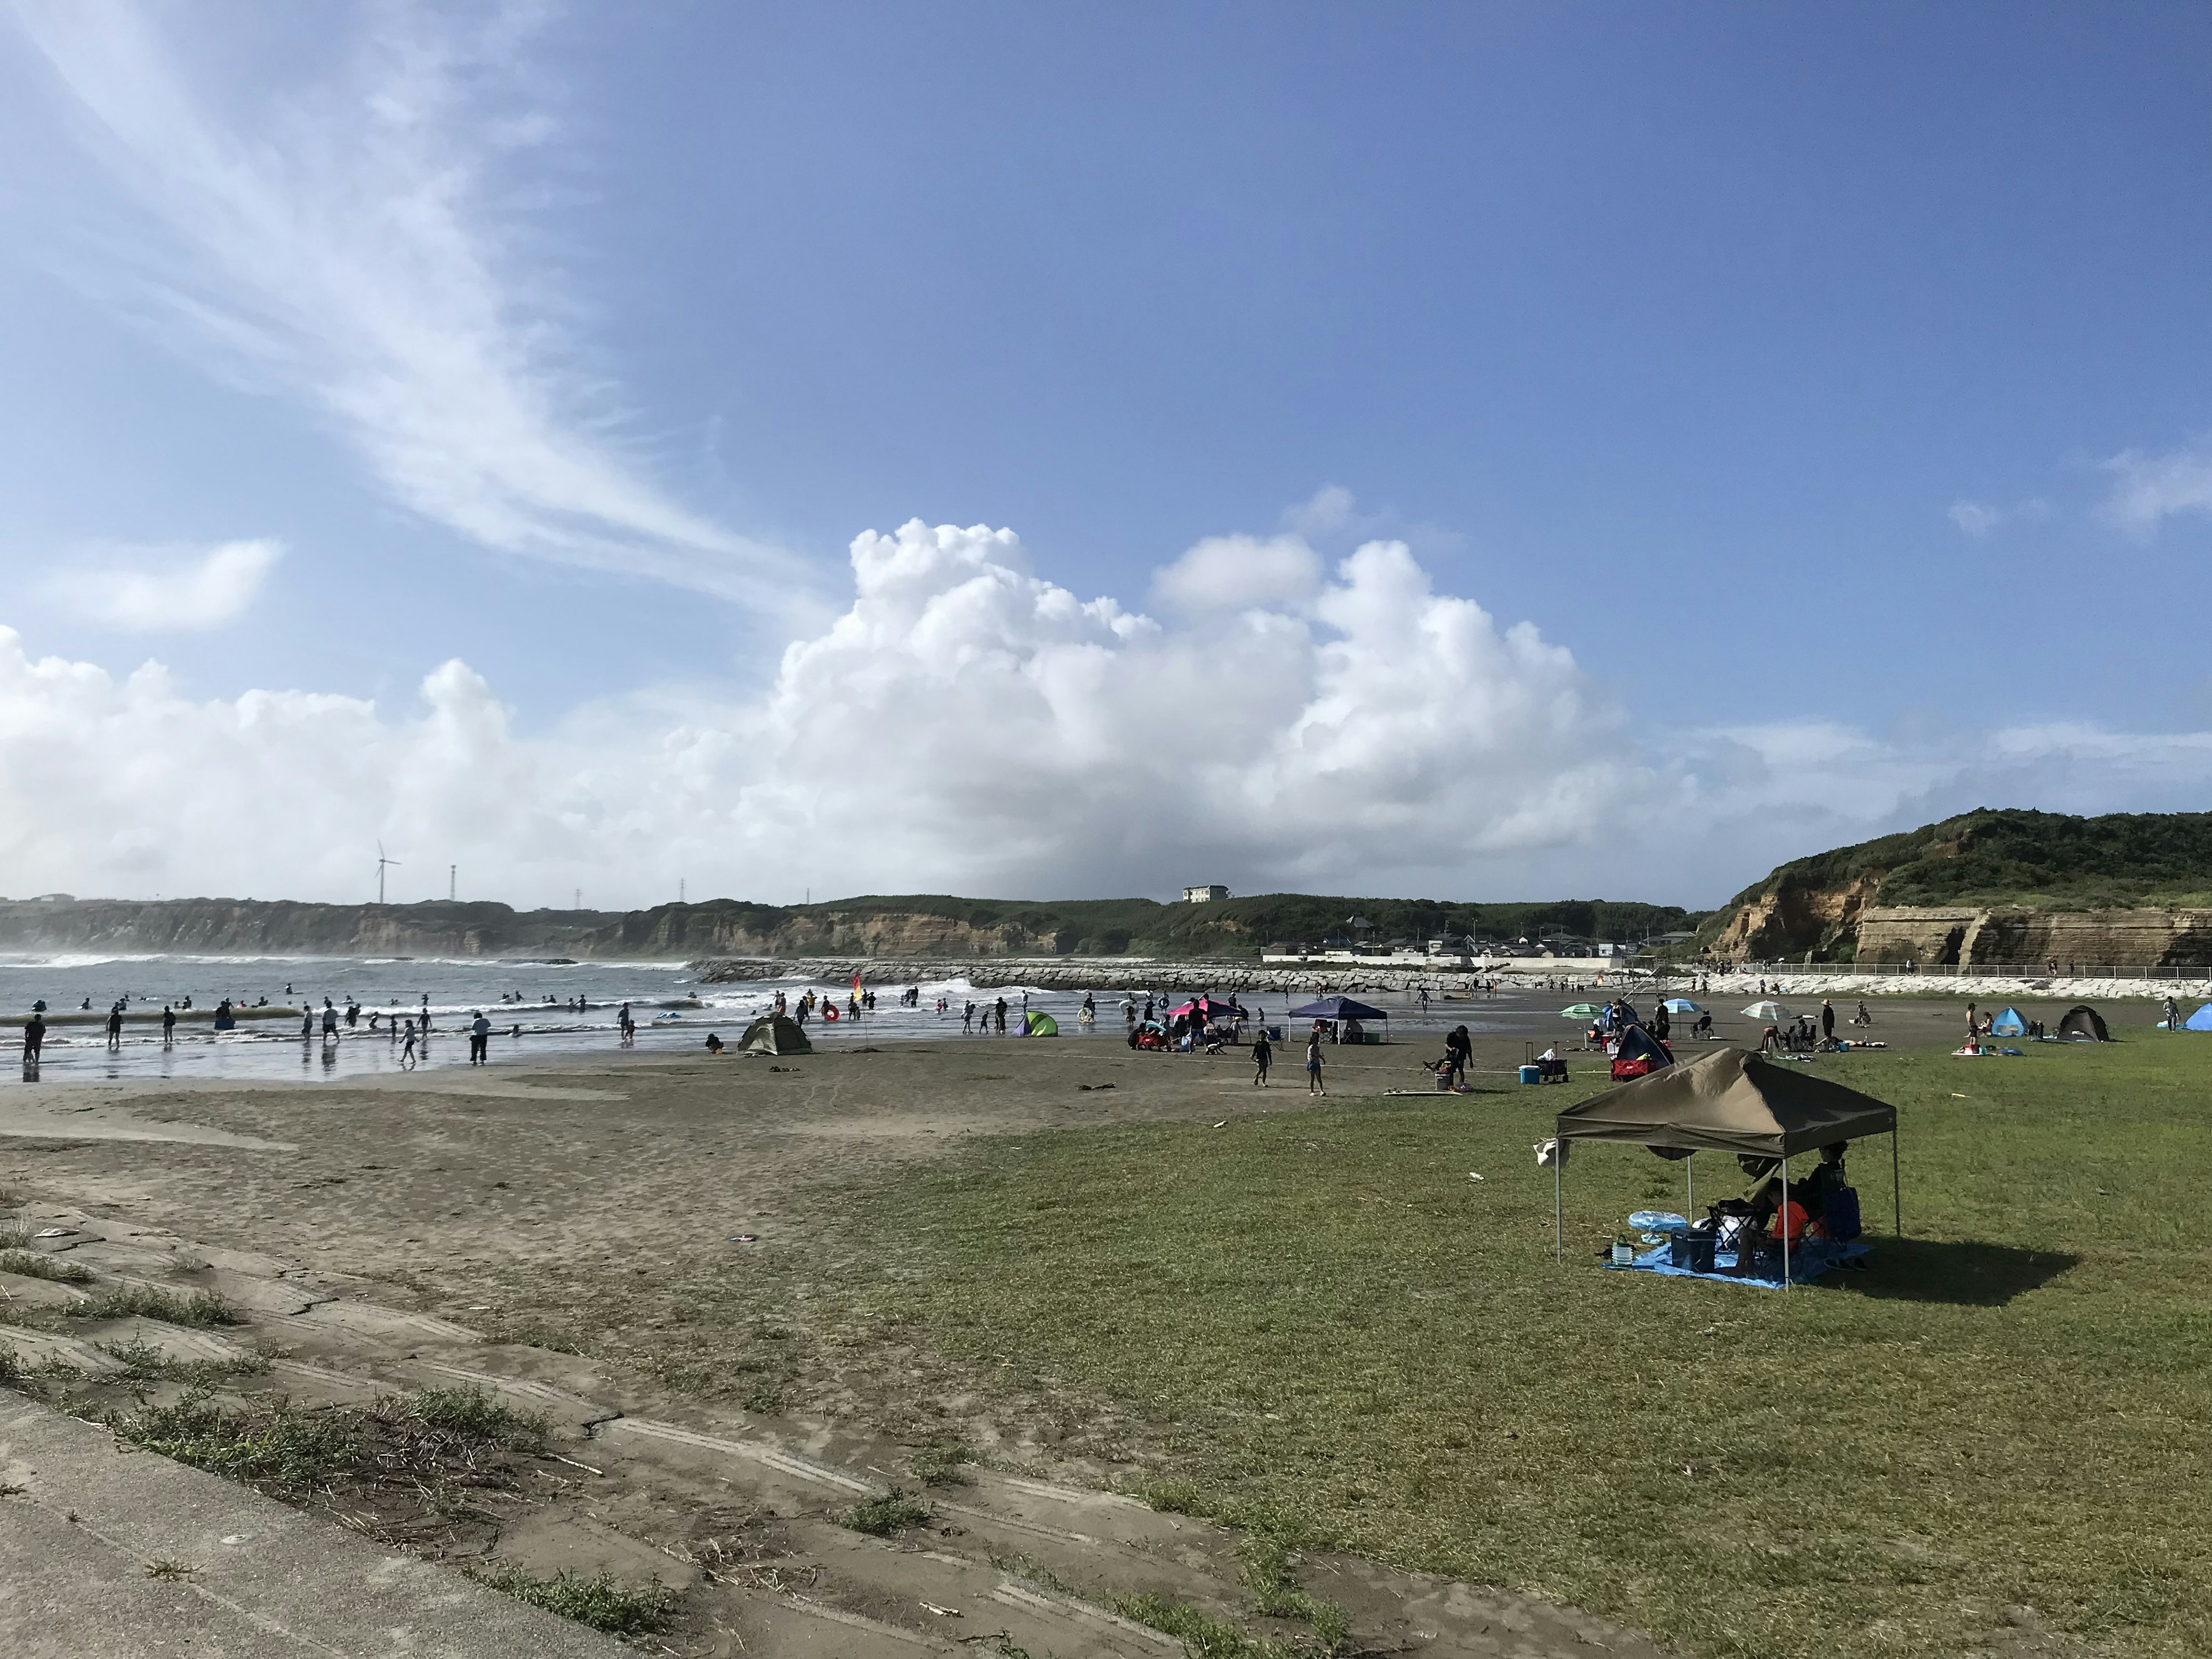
(2009, 1023)
(2199, 1021)
(1337, 1008)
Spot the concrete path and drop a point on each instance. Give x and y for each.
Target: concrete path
(83, 1524)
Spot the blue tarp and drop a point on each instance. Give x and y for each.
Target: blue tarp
(1337, 1008)
(2009, 1023)
(1808, 1260)
(2199, 1021)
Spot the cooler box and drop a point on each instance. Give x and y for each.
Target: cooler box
(1532, 1074)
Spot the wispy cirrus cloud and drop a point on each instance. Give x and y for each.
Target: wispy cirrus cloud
(2148, 489)
(163, 590)
(349, 244)
(1979, 519)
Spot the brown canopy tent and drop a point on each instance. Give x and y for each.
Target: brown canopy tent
(1727, 1101)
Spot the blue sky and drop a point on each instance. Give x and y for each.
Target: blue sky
(1825, 388)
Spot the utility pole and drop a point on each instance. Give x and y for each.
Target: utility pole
(579, 898)
(679, 889)
(453, 881)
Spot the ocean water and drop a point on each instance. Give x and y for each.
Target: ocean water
(530, 1004)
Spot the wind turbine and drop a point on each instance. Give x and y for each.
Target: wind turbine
(380, 862)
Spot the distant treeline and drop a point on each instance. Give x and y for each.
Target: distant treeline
(1224, 928)
(907, 924)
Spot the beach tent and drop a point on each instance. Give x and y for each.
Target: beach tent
(1337, 1008)
(1681, 1005)
(2009, 1023)
(2083, 1023)
(773, 1034)
(1638, 1052)
(1042, 1025)
(1207, 1008)
(1727, 1101)
(1773, 1010)
(2199, 1021)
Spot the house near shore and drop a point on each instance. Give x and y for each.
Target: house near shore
(1211, 895)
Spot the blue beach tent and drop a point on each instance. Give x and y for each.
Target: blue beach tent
(2009, 1023)
(2199, 1021)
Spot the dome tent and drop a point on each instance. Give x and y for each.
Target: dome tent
(2009, 1023)
(2199, 1021)
(2083, 1023)
(773, 1034)
(1639, 1052)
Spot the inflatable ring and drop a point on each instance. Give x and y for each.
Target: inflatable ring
(829, 1011)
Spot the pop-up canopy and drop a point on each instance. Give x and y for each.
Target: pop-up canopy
(1729, 1101)
(1337, 1008)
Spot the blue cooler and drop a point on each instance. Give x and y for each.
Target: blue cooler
(1532, 1074)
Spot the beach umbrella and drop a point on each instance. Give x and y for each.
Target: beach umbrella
(1681, 1005)
(1767, 1010)
(1581, 1011)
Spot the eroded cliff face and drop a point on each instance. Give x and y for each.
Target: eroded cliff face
(675, 932)
(677, 935)
(1965, 936)
(252, 927)
(1790, 919)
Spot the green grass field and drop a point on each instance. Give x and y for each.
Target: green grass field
(1999, 1429)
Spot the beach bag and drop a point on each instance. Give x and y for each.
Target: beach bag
(1839, 1214)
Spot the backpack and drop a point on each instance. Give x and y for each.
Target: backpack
(1839, 1214)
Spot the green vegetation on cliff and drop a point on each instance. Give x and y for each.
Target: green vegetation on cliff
(1987, 858)
(1225, 928)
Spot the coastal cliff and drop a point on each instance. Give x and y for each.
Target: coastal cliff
(904, 927)
(1988, 887)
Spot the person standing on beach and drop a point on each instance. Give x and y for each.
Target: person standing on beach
(307, 1026)
(330, 1022)
(968, 1021)
(1828, 1019)
(1458, 1047)
(1263, 1056)
(480, 1040)
(1000, 1010)
(34, 1038)
(1313, 1064)
(115, 1026)
(168, 1026)
(407, 1047)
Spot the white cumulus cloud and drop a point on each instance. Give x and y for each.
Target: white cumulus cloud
(349, 245)
(158, 591)
(966, 724)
